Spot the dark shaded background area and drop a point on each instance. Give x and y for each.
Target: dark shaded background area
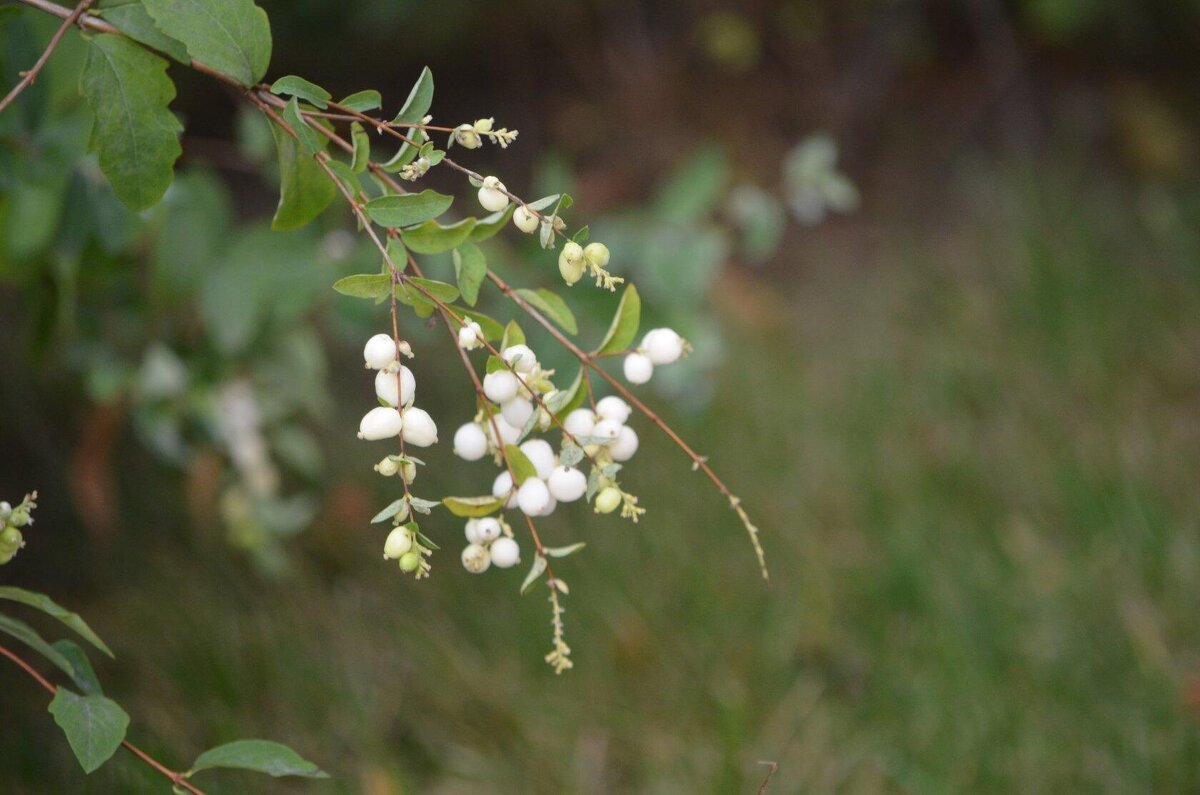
(966, 416)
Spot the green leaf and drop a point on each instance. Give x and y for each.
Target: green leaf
(408, 209)
(410, 296)
(94, 725)
(535, 571)
(362, 101)
(564, 401)
(433, 238)
(345, 175)
(562, 552)
(522, 467)
(362, 148)
(490, 225)
(294, 86)
(305, 190)
(231, 36)
(364, 285)
(491, 328)
(446, 293)
(131, 18)
(51, 608)
(261, 756)
(473, 506)
(570, 455)
(310, 142)
(135, 133)
(470, 269)
(81, 667)
(419, 100)
(512, 335)
(29, 636)
(553, 306)
(407, 152)
(390, 511)
(624, 323)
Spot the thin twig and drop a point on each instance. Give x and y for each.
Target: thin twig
(31, 75)
(762, 788)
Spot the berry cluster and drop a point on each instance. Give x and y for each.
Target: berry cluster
(660, 346)
(11, 521)
(489, 541)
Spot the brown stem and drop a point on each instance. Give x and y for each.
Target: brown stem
(27, 80)
(175, 776)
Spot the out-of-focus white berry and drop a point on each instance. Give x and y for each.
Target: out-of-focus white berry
(638, 368)
(533, 497)
(625, 445)
(505, 553)
(521, 358)
(379, 352)
(580, 422)
(607, 500)
(613, 408)
(596, 255)
(567, 484)
(380, 423)
(398, 542)
(570, 262)
(500, 386)
(502, 485)
(476, 559)
(551, 504)
(508, 433)
(662, 346)
(607, 429)
(419, 428)
(492, 195)
(525, 220)
(541, 455)
(471, 530)
(516, 412)
(470, 336)
(488, 529)
(470, 442)
(386, 386)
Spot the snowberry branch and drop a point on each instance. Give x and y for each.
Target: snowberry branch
(28, 77)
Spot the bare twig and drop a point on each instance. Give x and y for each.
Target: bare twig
(28, 77)
(762, 788)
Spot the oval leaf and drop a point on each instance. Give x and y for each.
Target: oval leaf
(362, 101)
(364, 285)
(29, 636)
(433, 238)
(261, 756)
(231, 36)
(304, 189)
(473, 506)
(522, 467)
(535, 571)
(131, 18)
(470, 269)
(552, 306)
(294, 86)
(408, 209)
(624, 323)
(419, 100)
(51, 608)
(94, 725)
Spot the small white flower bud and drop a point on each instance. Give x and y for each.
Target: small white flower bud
(625, 445)
(492, 195)
(387, 467)
(406, 349)
(521, 358)
(470, 442)
(470, 336)
(484, 125)
(386, 386)
(500, 386)
(476, 559)
(662, 346)
(466, 136)
(638, 368)
(379, 352)
(533, 497)
(505, 553)
(580, 422)
(419, 427)
(525, 220)
(596, 255)
(488, 529)
(398, 542)
(567, 484)
(380, 423)
(613, 408)
(607, 429)
(516, 412)
(541, 455)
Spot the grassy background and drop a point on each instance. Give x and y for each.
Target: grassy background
(971, 439)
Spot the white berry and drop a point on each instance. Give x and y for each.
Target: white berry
(380, 351)
(580, 422)
(516, 412)
(551, 504)
(488, 530)
(638, 368)
(525, 220)
(492, 195)
(470, 442)
(476, 559)
(613, 408)
(625, 445)
(541, 455)
(500, 386)
(508, 433)
(567, 484)
(398, 542)
(386, 387)
(380, 423)
(521, 358)
(470, 336)
(419, 427)
(505, 553)
(503, 486)
(472, 531)
(533, 497)
(662, 346)
(608, 430)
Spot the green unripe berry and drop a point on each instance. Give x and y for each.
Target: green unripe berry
(409, 561)
(570, 262)
(19, 518)
(10, 539)
(607, 500)
(596, 255)
(387, 467)
(5, 557)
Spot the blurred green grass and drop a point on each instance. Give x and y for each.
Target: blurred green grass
(972, 448)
